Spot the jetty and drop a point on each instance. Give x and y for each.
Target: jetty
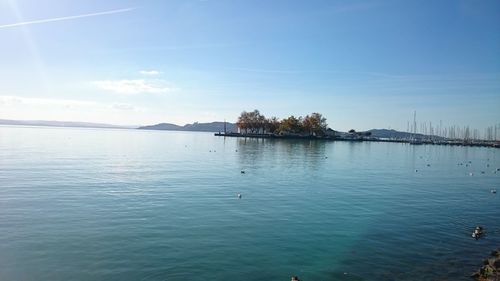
(450, 142)
(253, 124)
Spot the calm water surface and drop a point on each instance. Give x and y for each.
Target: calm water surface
(99, 204)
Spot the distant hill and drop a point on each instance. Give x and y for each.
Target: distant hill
(60, 124)
(393, 134)
(198, 127)
(162, 126)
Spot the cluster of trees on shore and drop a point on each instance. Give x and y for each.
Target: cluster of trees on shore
(256, 123)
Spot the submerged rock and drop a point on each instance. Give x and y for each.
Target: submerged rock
(490, 271)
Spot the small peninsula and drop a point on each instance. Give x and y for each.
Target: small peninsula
(253, 124)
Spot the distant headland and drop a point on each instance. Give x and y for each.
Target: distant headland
(255, 125)
(196, 127)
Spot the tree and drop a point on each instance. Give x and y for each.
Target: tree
(253, 121)
(291, 125)
(243, 121)
(315, 124)
(272, 125)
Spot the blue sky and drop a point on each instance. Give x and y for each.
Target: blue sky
(363, 64)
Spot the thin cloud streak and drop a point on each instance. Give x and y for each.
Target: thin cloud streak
(493, 76)
(149, 72)
(134, 86)
(291, 71)
(67, 18)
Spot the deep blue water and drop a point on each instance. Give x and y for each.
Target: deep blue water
(99, 204)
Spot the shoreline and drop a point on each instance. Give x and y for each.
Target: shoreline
(491, 144)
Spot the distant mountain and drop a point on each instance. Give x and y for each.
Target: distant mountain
(198, 127)
(60, 124)
(393, 134)
(162, 126)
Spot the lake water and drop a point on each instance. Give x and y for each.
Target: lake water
(104, 204)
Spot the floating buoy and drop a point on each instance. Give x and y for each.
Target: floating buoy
(239, 196)
(416, 171)
(493, 191)
(471, 174)
(242, 171)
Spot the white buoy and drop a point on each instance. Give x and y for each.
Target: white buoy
(239, 196)
(493, 191)
(471, 174)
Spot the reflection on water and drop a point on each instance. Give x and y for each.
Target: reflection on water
(97, 204)
(254, 150)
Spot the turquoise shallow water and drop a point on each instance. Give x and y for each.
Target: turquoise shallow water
(98, 204)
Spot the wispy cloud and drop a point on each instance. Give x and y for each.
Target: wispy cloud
(149, 72)
(66, 18)
(134, 86)
(13, 100)
(40, 108)
(493, 76)
(309, 71)
(122, 106)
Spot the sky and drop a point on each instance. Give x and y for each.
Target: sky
(362, 64)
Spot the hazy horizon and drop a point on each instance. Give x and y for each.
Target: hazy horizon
(362, 64)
